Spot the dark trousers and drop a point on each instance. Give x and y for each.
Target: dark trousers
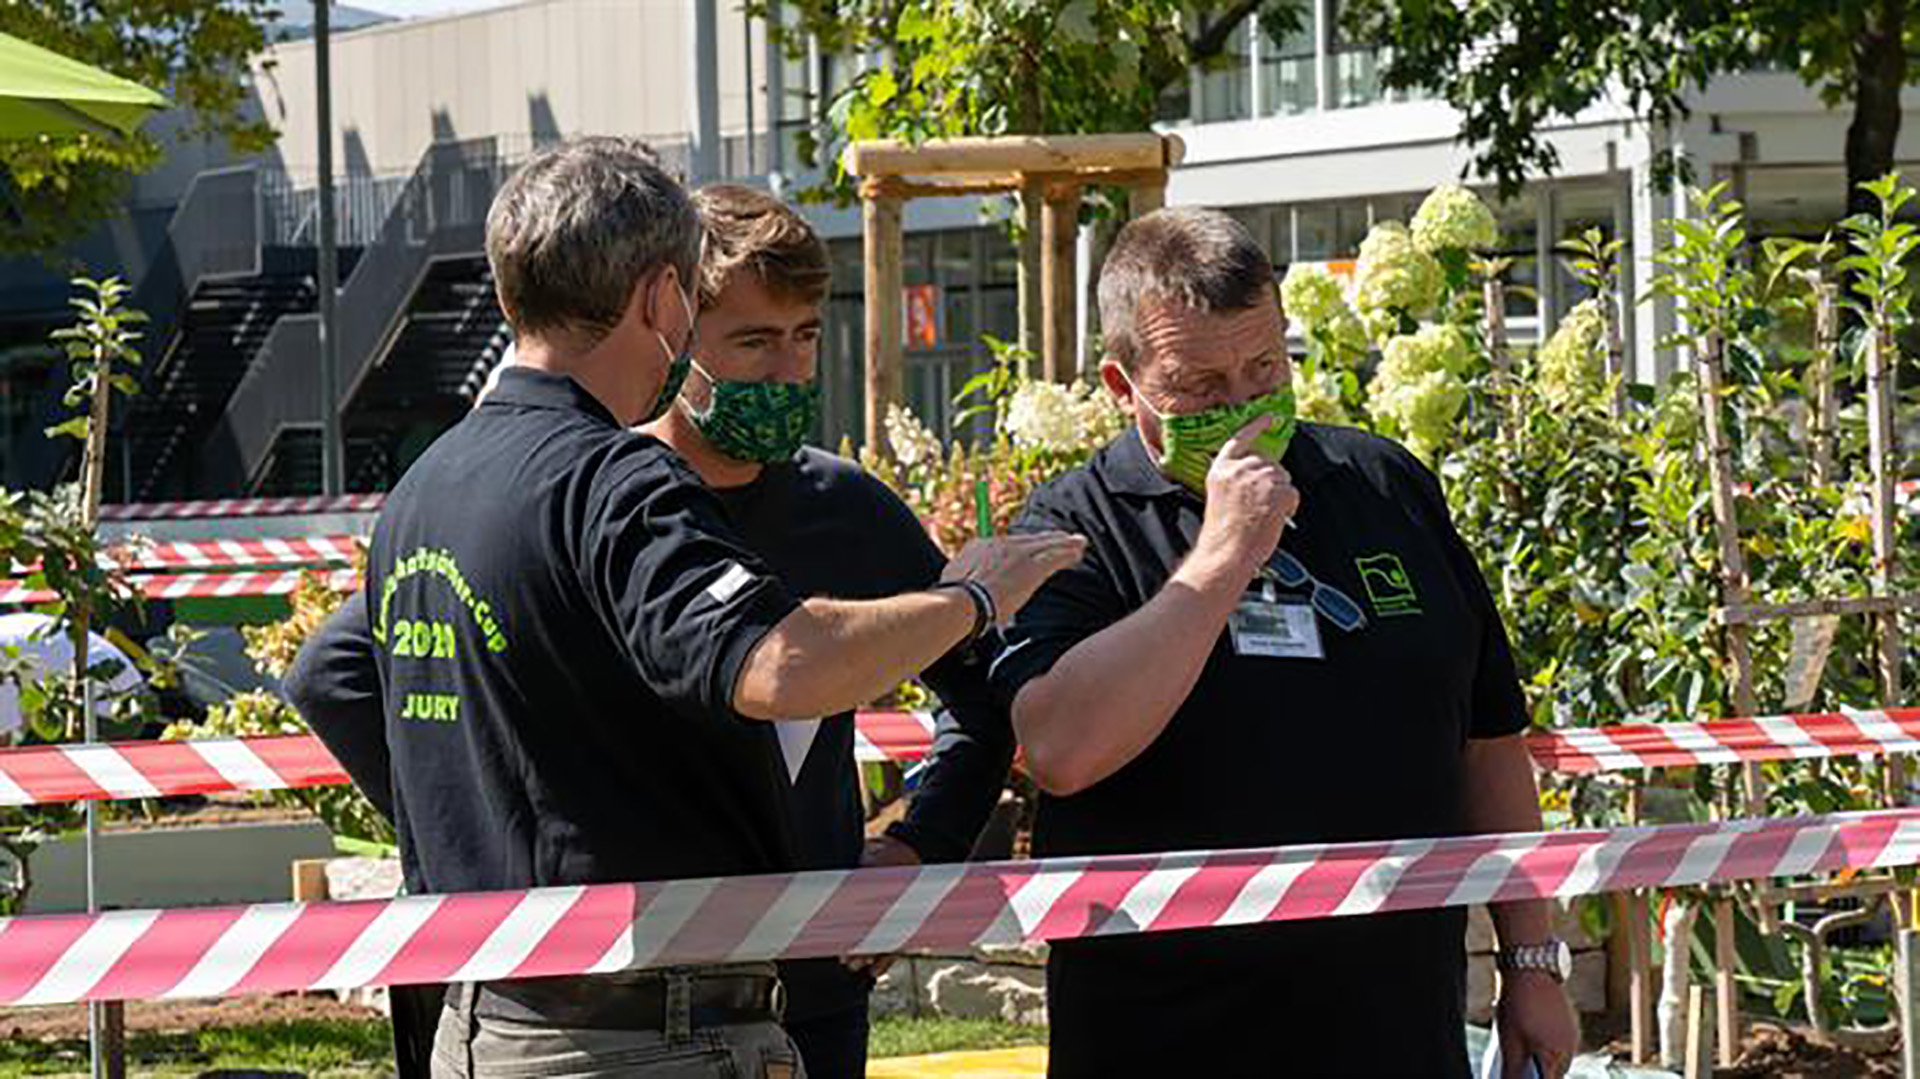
(832, 1046)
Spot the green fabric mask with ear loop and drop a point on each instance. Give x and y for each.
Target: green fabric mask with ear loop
(677, 368)
(756, 421)
(1190, 441)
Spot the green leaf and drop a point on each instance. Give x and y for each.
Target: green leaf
(881, 89)
(73, 428)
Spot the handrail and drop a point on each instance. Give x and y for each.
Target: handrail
(441, 210)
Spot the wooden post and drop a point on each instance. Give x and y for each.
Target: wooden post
(310, 880)
(1726, 990)
(1699, 1062)
(885, 281)
(1821, 372)
(1733, 590)
(1032, 271)
(1906, 981)
(1144, 198)
(1616, 362)
(1881, 394)
(1059, 233)
(1644, 1027)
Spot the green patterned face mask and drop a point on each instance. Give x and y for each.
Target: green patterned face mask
(756, 421)
(1190, 441)
(678, 364)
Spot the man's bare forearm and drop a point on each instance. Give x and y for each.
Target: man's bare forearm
(830, 656)
(1503, 797)
(1111, 696)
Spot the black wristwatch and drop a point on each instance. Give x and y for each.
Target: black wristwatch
(986, 613)
(1553, 958)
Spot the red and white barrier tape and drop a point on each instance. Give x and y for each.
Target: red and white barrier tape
(314, 551)
(239, 507)
(111, 771)
(193, 585)
(1728, 741)
(40, 775)
(223, 951)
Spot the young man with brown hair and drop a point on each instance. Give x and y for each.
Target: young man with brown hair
(825, 527)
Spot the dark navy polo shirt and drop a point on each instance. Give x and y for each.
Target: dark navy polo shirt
(561, 611)
(1365, 744)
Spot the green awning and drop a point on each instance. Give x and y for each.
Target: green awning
(45, 93)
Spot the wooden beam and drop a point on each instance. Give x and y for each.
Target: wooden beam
(1031, 268)
(1726, 989)
(885, 329)
(1747, 613)
(998, 156)
(1060, 309)
(1147, 197)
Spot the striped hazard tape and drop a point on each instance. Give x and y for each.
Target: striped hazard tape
(193, 585)
(312, 551)
(1729, 741)
(40, 775)
(239, 507)
(222, 951)
(109, 771)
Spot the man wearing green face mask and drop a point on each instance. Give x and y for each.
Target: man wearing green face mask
(826, 528)
(1199, 682)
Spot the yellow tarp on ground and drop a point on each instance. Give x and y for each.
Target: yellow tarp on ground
(1026, 1062)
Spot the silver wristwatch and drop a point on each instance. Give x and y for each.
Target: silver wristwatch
(1554, 959)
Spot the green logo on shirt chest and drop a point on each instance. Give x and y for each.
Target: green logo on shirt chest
(1387, 584)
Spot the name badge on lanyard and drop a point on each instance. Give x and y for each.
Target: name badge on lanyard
(1264, 625)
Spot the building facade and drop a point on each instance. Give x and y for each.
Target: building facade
(1296, 138)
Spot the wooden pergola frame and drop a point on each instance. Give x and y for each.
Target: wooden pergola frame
(1052, 170)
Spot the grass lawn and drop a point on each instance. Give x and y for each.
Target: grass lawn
(359, 1048)
(902, 1036)
(333, 1048)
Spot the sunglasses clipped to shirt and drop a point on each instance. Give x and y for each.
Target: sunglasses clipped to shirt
(1332, 604)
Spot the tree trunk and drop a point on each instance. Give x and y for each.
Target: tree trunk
(1880, 71)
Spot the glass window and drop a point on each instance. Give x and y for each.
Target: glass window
(1288, 69)
(1226, 84)
(1280, 235)
(1318, 228)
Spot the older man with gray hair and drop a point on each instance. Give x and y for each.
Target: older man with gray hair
(1199, 682)
(574, 649)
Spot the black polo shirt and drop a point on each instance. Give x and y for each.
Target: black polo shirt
(1364, 744)
(561, 611)
(828, 528)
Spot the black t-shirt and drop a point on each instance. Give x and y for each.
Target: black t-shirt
(1366, 743)
(827, 528)
(562, 610)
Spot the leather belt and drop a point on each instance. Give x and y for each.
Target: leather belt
(636, 1001)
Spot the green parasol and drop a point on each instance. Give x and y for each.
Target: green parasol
(45, 93)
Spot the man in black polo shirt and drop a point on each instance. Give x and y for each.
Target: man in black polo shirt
(826, 528)
(1197, 682)
(573, 643)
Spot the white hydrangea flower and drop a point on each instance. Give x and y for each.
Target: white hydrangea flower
(1060, 419)
(912, 443)
(1569, 365)
(1316, 396)
(1454, 217)
(1431, 348)
(1310, 295)
(1394, 275)
(1419, 389)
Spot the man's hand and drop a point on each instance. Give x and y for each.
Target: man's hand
(1249, 500)
(1013, 568)
(880, 850)
(1535, 1023)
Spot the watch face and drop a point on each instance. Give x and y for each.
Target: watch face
(1563, 959)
